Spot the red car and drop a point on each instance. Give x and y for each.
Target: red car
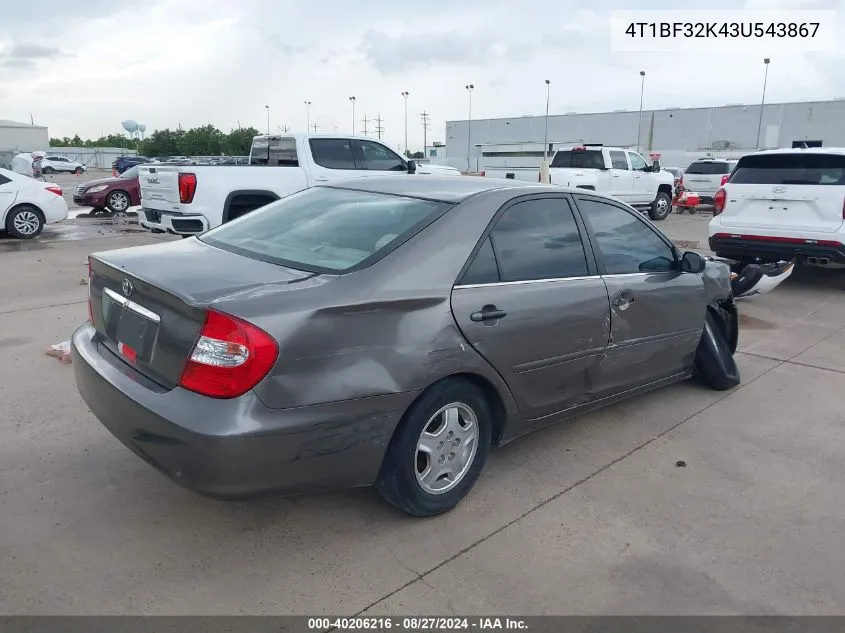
(115, 194)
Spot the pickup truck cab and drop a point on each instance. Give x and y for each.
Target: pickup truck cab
(190, 199)
(619, 172)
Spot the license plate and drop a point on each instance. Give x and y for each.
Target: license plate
(133, 327)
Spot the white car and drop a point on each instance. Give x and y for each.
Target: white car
(52, 163)
(706, 176)
(783, 204)
(26, 204)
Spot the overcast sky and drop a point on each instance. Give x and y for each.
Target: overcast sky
(83, 67)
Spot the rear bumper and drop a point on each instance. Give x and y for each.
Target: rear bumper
(172, 222)
(54, 209)
(770, 248)
(235, 448)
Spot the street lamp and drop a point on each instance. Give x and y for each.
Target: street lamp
(307, 115)
(352, 99)
(640, 121)
(405, 97)
(766, 61)
(469, 89)
(268, 119)
(544, 169)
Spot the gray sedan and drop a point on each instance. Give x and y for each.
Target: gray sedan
(389, 331)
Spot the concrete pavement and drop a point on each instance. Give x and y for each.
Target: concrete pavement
(590, 517)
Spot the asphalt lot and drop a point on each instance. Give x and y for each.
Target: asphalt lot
(590, 517)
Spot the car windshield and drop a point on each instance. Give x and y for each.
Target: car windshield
(132, 172)
(326, 229)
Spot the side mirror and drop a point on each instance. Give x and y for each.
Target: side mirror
(412, 167)
(692, 262)
(656, 167)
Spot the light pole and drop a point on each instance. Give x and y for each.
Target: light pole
(307, 115)
(268, 119)
(766, 61)
(544, 168)
(352, 99)
(469, 89)
(640, 120)
(405, 97)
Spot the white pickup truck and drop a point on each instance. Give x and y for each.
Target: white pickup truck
(619, 172)
(190, 199)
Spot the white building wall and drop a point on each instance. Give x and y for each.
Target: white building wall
(23, 138)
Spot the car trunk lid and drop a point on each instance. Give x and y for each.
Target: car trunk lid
(149, 303)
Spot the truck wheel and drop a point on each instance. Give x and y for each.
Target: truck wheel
(661, 207)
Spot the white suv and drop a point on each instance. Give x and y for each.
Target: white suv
(706, 175)
(51, 163)
(783, 204)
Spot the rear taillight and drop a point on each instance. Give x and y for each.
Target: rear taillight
(54, 189)
(719, 201)
(90, 278)
(725, 179)
(230, 357)
(187, 188)
(483, 173)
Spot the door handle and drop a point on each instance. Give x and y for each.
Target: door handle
(488, 313)
(623, 303)
(321, 179)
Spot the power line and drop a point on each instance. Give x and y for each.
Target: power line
(366, 122)
(379, 128)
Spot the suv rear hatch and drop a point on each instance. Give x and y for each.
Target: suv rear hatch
(159, 187)
(705, 177)
(149, 303)
(800, 191)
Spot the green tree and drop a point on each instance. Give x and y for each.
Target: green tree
(239, 141)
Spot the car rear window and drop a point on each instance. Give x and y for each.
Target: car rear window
(326, 229)
(709, 169)
(580, 159)
(790, 169)
(274, 151)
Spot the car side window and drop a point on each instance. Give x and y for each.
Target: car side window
(626, 244)
(618, 160)
(637, 162)
(4, 180)
(378, 158)
(483, 269)
(539, 239)
(333, 153)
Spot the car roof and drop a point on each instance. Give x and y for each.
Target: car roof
(452, 189)
(801, 150)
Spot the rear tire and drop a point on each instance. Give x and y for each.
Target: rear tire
(25, 222)
(436, 435)
(78, 171)
(661, 207)
(714, 363)
(47, 170)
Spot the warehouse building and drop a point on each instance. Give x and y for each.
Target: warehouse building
(678, 135)
(21, 137)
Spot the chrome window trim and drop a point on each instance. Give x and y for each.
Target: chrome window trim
(582, 278)
(131, 305)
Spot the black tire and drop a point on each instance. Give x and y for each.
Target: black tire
(47, 170)
(25, 222)
(397, 481)
(113, 206)
(714, 362)
(661, 207)
(78, 171)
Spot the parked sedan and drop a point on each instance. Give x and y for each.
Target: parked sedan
(116, 194)
(389, 331)
(26, 204)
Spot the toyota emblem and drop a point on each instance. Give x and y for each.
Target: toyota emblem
(127, 287)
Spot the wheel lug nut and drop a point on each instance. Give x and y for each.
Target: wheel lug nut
(456, 442)
(449, 437)
(439, 446)
(451, 456)
(442, 459)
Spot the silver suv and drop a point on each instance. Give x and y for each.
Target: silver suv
(705, 176)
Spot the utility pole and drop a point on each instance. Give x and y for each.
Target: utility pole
(366, 122)
(379, 128)
(314, 127)
(425, 125)
(284, 129)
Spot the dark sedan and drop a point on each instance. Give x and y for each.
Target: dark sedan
(388, 331)
(115, 194)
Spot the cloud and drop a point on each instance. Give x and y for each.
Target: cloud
(23, 56)
(395, 54)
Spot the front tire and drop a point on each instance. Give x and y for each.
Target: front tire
(25, 222)
(117, 201)
(438, 449)
(661, 207)
(47, 170)
(78, 171)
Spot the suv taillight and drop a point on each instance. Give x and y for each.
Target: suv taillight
(90, 277)
(725, 179)
(719, 201)
(187, 188)
(230, 357)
